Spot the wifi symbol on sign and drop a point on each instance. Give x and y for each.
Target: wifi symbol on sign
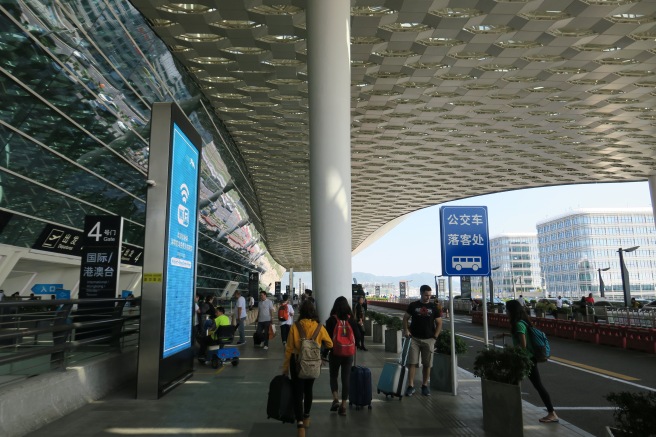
(184, 192)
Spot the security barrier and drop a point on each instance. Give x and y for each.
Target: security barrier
(612, 335)
(641, 339)
(626, 337)
(586, 332)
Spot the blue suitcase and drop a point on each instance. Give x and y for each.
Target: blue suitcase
(360, 387)
(394, 377)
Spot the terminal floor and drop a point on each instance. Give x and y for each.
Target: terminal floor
(232, 401)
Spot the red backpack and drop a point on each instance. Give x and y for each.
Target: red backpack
(343, 339)
(283, 312)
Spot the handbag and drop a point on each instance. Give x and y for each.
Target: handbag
(272, 331)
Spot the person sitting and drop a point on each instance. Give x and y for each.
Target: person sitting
(213, 325)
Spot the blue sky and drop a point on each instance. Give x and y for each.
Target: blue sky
(414, 245)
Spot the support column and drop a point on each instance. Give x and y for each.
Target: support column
(329, 89)
(652, 194)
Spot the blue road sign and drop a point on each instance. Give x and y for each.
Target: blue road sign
(46, 288)
(63, 294)
(465, 241)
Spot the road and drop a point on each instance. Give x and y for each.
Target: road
(578, 376)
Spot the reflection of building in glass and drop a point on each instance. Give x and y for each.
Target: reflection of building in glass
(80, 80)
(575, 245)
(518, 262)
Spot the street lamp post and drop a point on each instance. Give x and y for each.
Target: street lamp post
(492, 284)
(626, 287)
(601, 281)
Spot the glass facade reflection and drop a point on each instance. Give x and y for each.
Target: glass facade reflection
(518, 262)
(77, 82)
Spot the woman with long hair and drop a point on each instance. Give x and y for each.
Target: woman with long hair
(339, 316)
(308, 320)
(520, 323)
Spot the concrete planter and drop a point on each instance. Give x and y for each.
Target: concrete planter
(379, 333)
(502, 409)
(440, 376)
(393, 341)
(368, 327)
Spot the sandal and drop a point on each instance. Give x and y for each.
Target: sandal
(547, 419)
(335, 405)
(342, 411)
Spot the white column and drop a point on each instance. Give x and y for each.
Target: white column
(291, 285)
(652, 193)
(329, 76)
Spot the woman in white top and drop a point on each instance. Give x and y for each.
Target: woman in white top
(285, 325)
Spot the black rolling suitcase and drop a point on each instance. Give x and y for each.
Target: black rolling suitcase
(360, 392)
(279, 403)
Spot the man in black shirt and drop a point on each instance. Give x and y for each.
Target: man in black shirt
(425, 326)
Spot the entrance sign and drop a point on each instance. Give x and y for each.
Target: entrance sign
(46, 288)
(169, 255)
(465, 241)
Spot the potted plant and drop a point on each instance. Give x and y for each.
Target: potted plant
(540, 309)
(635, 414)
(379, 327)
(368, 323)
(394, 325)
(564, 313)
(501, 371)
(441, 372)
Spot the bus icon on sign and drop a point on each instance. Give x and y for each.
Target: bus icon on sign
(466, 262)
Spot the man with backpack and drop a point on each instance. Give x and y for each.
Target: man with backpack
(425, 327)
(286, 318)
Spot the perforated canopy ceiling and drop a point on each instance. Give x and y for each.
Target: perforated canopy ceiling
(449, 99)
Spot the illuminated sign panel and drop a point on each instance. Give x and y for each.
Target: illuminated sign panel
(181, 250)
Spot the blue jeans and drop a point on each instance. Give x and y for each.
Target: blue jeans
(242, 322)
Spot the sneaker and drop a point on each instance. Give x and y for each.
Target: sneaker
(240, 343)
(410, 391)
(266, 348)
(335, 406)
(425, 390)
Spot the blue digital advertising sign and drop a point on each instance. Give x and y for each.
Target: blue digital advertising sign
(465, 241)
(181, 248)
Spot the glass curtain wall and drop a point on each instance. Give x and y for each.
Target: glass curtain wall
(77, 81)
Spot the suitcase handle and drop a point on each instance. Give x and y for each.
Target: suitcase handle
(405, 350)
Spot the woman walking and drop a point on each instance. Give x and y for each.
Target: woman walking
(308, 320)
(342, 319)
(519, 325)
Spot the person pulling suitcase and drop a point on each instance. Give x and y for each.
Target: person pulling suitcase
(343, 329)
(426, 324)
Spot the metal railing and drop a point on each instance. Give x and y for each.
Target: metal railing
(43, 336)
(631, 317)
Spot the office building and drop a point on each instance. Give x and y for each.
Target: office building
(517, 265)
(576, 246)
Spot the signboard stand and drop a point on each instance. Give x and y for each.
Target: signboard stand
(169, 263)
(465, 252)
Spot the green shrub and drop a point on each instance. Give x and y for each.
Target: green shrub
(394, 323)
(443, 343)
(636, 412)
(508, 365)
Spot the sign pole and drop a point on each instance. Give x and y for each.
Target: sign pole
(454, 358)
(484, 303)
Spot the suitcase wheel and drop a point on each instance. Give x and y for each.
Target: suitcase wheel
(370, 406)
(215, 362)
(235, 361)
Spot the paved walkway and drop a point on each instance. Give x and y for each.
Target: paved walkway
(232, 401)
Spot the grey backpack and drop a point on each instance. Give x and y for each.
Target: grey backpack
(308, 360)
